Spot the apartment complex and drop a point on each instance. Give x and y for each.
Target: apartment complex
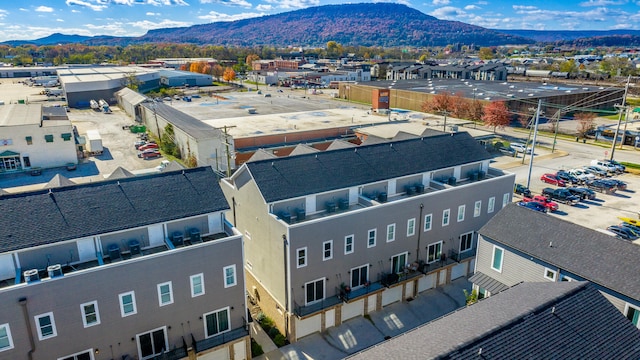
(132, 268)
(338, 234)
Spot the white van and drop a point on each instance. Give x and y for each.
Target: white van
(521, 148)
(604, 165)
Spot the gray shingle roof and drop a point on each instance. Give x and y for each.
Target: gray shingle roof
(47, 216)
(187, 123)
(294, 176)
(487, 282)
(594, 256)
(566, 320)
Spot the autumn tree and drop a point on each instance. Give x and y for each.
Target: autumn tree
(197, 67)
(461, 106)
(228, 74)
(486, 53)
(439, 103)
(250, 59)
(496, 114)
(218, 71)
(476, 110)
(586, 123)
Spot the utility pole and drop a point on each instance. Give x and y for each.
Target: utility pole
(225, 130)
(555, 135)
(626, 121)
(621, 107)
(445, 113)
(533, 145)
(531, 122)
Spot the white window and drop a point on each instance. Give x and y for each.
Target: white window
(165, 294)
(491, 204)
(46, 326)
(477, 208)
(301, 254)
(496, 259)
(371, 238)
(6, 341)
(152, 343)
(550, 274)
(398, 262)
(411, 227)
(127, 303)
(216, 322)
(197, 284)
(445, 217)
(461, 210)
(327, 250)
(348, 244)
(466, 242)
(314, 291)
(90, 314)
(505, 199)
(427, 222)
(391, 232)
(359, 276)
(633, 314)
(434, 252)
(229, 276)
(82, 355)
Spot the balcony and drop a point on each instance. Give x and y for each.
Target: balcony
(305, 310)
(175, 354)
(214, 341)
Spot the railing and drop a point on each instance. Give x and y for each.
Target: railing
(347, 294)
(218, 340)
(458, 257)
(175, 354)
(304, 310)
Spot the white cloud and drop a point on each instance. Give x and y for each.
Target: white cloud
(603, 2)
(264, 7)
(448, 13)
(152, 14)
(472, 7)
(441, 2)
(44, 9)
(149, 2)
(149, 25)
(23, 9)
(240, 3)
(87, 4)
(293, 4)
(215, 16)
(60, 20)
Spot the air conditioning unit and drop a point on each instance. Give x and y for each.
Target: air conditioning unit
(31, 276)
(55, 271)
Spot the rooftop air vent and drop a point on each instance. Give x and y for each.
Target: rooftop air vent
(31, 276)
(55, 271)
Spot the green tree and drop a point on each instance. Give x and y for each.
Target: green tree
(486, 53)
(168, 142)
(569, 66)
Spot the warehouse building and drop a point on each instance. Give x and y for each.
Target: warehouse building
(177, 78)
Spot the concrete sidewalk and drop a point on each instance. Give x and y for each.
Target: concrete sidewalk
(360, 333)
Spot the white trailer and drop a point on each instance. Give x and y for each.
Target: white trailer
(94, 142)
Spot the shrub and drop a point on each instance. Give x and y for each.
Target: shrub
(280, 340)
(256, 349)
(273, 332)
(260, 317)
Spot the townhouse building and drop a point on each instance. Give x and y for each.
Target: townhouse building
(520, 245)
(135, 268)
(338, 234)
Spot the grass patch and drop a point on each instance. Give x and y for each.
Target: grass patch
(629, 165)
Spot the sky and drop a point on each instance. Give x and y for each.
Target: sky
(28, 20)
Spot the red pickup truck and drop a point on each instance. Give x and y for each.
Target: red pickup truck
(551, 205)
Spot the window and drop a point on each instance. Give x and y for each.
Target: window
(6, 341)
(327, 250)
(371, 238)
(445, 217)
(477, 208)
(496, 260)
(165, 294)
(90, 315)
(348, 244)
(314, 291)
(127, 304)
(302, 257)
(505, 199)
(411, 227)
(391, 232)
(550, 274)
(633, 314)
(359, 276)
(197, 284)
(29, 140)
(66, 136)
(216, 322)
(46, 326)
(398, 263)
(83, 355)
(461, 210)
(427, 222)
(434, 252)
(48, 138)
(152, 343)
(229, 275)
(491, 204)
(466, 241)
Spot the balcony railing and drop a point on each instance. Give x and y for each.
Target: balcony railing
(347, 294)
(458, 257)
(210, 343)
(304, 310)
(175, 354)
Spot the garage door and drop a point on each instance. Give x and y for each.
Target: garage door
(307, 326)
(352, 310)
(221, 354)
(240, 351)
(330, 318)
(426, 282)
(459, 271)
(392, 295)
(372, 301)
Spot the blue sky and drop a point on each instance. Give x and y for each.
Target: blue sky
(25, 20)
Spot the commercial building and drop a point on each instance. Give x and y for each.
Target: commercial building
(177, 78)
(32, 136)
(131, 268)
(338, 234)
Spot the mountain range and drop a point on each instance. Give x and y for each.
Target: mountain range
(378, 24)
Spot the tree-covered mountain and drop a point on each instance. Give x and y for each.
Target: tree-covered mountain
(549, 36)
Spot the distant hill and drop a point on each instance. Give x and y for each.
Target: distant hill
(567, 35)
(52, 39)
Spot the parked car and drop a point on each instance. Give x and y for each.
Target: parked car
(148, 146)
(550, 205)
(567, 178)
(521, 190)
(621, 168)
(620, 185)
(601, 186)
(596, 171)
(507, 150)
(582, 175)
(622, 232)
(519, 147)
(605, 165)
(553, 180)
(139, 143)
(583, 192)
(634, 229)
(150, 154)
(533, 206)
(561, 195)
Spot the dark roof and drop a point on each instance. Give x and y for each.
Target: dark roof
(487, 282)
(594, 256)
(565, 320)
(47, 216)
(295, 176)
(187, 123)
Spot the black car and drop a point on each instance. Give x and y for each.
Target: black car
(583, 192)
(507, 150)
(602, 186)
(622, 232)
(568, 178)
(534, 206)
(521, 190)
(619, 184)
